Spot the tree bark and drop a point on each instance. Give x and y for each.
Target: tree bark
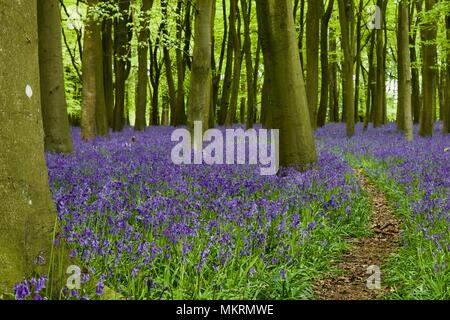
(378, 106)
(180, 113)
(237, 63)
(446, 115)
(323, 106)
(429, 55)
(334, 94)
(27, 213)
(282, 61)
(315, 9)
(404, 71)
(142, 84)
(251, 96)
(201, 81)
(107, 69)
(168, 66)
(228, 78)
(415, 92)
(346, 18)
(53, 100)
(88, 112)
(121, 55)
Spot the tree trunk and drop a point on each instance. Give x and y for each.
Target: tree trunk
(334, 94)
(323, 107)
(315, 9)
(101, 116)
(446, 127)
(235, 39)
(88, 112)
(227, 82)
(358, 59)
(107, 69)
(371, 83)
(302, 32)
(282, 61)
(378, 106)
(256, 78)
(404, 71)
(121, 54)
(415, 92)
(53, 101)
(142, 84)
(201, 82)
(346, 18)
(251, 96)
(27, 213)
(168, 66)
(428, 74)
(180, 113)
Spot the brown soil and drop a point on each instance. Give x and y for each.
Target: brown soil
(365, 252)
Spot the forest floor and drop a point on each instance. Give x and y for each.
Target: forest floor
(366, 253)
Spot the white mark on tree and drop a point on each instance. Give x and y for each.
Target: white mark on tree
(29, 91)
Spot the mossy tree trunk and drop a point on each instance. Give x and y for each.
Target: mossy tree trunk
(27, 214)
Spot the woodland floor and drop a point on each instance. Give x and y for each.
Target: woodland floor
(351, 284)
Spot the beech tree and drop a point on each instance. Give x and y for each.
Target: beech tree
(201, 80)
(27, 213)
(93, 117)
(404, 72)
(142, 84)
(347, 23)
(283, 74)
(428, 34)
(315, 9)
(53, 100)
(446, 127)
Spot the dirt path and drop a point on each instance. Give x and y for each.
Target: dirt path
(365, 252)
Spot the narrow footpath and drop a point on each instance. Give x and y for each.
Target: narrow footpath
(362, 276)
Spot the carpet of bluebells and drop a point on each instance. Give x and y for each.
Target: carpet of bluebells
(149, 229)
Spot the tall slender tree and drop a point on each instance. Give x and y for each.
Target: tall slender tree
(251, 94)
(142, 82)
(346, 19)
(107, 44)
(379, 94)
(89, 102)
(315, 10)
(121, 45)
(53, 100)
(235, 39)
(404, 71)
(323, 106)
(429, 55)
(446, 127)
